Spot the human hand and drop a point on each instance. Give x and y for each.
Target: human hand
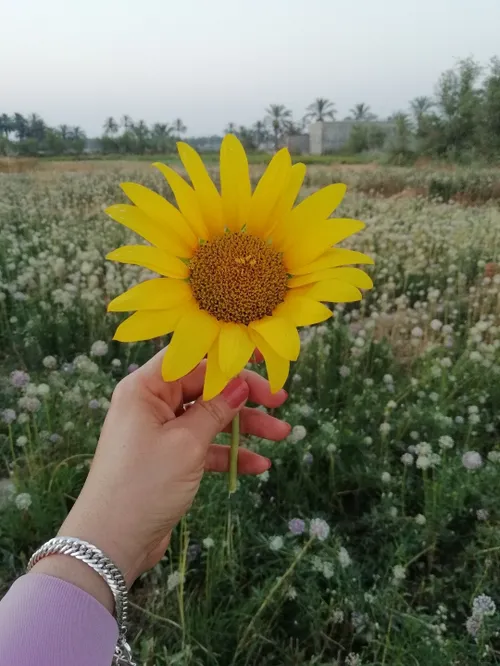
(151, 457)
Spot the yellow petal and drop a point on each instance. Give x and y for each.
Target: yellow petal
(160, 210)
(150, 257)
(277, 367)
(318, 206)
(280, 334)
(147, 324)
(335, 257)
(215, 379)
(209, 198)
(154, 232)
(314, 239)
(301, 310)
(186, 200)
(284, 205)
(268, 191)
(193, 336)
(235, 348)
(353, 276)
(234, 182)
(334, 291)
(155, 294)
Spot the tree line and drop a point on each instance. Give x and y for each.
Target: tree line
(460, 121)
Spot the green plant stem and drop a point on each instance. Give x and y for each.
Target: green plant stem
(233, 459)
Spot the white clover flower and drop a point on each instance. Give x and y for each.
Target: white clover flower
(305, 410)
(472, 460)
(398, 573)
(368, 441)
(391, 404)
(420, 519)
(174, 580)
(446, 442)
(407, 459)
(387, 379)
(423, 449)
(29, 404)
(353, 659)
(319, 528)
(276, 543)
(337, 616)
(116, 363)
(291, 593)
(50, 362)
(328, 570)
(263, 476)
(344, 558)
(494, 456)
(344, 371)
(368, 382)
(22, 440)
(482, 514)
(423, 462)
(417, 332)
(385, 477)
(208, 543)
(99, 348)
(414, 435)
(473, 625)
(483, 606)
(297, 435)
(385, 428)
(23, 501)
(8, 416)
(474, 419)
(436, 324)
(43, 390)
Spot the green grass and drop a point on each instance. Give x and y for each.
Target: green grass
(211, 158)
(415, 369)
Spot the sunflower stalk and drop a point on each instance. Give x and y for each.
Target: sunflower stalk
(233, 456)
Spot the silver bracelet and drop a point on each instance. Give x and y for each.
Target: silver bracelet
(101, 564)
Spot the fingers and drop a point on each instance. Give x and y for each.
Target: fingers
(259, 390)
(249, 462)
(255, 422)
(205, 419)
(257, 357)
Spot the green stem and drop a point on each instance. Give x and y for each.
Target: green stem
(233, 460)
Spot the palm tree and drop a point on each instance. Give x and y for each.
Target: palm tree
(161, 134)
(141, 132)
(361, 112)
(36, 127)
(260, 132)
(110, 126)
(230, 129)
(5, 125)
(126, 122)
(64, 131)
(20, 126)
(179, 127)
(320, 109)
(277, 115)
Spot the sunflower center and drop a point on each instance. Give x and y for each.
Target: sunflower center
(238, 278)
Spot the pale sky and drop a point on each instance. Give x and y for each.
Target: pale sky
(215, 61)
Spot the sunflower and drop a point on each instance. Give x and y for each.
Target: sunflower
(239, 270)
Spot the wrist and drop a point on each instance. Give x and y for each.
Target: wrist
(77, 573)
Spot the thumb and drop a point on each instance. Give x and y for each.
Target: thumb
(206, 419)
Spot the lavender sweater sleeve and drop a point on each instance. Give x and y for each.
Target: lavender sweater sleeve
(45, 621)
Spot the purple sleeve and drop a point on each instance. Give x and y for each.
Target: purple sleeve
(45, 621)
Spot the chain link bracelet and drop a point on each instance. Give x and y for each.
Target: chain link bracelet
(101, 564)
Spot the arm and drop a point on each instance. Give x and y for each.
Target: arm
(149, 462)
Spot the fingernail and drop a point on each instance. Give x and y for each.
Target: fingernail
(285, 393)
(269, 463)
(236, 392)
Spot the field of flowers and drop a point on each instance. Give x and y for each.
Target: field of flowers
(374, 539)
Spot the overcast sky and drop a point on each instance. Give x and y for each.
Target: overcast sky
(215, 61)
